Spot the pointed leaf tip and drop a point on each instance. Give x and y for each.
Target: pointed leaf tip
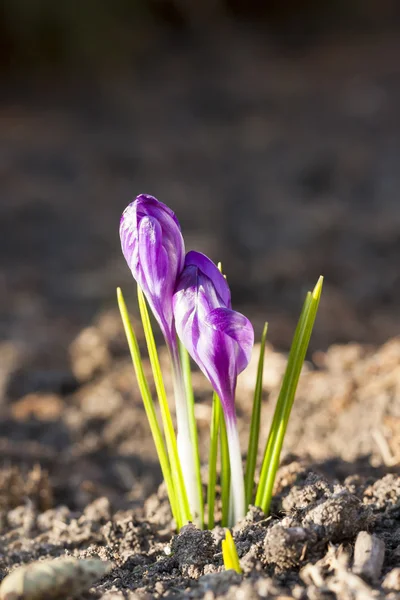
(228, 537)
(120, 298)
(219, 265)
(229, 552)
(316, 293)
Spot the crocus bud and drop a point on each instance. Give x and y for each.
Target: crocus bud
(154, 249)
(219, 339)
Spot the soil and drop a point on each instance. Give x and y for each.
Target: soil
(290, 170)
(78, 477)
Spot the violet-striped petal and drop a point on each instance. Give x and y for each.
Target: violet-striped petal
(239, 328)
(153, 247)
(218, 338)
(208, 268)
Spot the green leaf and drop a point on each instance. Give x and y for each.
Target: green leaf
(149, 407)
(225, 469)
(286, 397)
(187, 377)
(229, 553)
(255, 423)
(212, 459)
(225, 461)
(169, 432)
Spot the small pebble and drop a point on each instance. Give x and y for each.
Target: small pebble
(51, 578)
(369, 554)
(392, 581)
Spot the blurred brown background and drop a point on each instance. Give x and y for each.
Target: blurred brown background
(271, 128)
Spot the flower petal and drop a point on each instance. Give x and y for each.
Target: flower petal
(206, 266)
(218, 339)
(148, 205)
(153, 247)
(152, 257)
(236, 326)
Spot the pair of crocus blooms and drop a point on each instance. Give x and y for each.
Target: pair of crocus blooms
(190, 298)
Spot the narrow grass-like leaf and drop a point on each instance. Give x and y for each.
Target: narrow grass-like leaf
(169, 432)
(187, 377)
(279, 412)
(286, 397)
(255, 423)
(225, 476)
(212, 459)
(225, 469)
(149, 407)
(229, 553)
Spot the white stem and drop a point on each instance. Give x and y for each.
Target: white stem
(238, 510)
(186, 449)
(231, 520)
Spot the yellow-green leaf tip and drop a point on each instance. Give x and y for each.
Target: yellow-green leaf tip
(316, 294)
(229, 553)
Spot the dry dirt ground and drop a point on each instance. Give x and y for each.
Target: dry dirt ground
(284, 166)
(78, 471)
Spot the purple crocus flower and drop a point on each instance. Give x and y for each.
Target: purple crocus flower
(219, 340)
(153, 247)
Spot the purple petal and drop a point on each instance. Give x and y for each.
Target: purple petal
(214, 357)
(152, 256)
(236, 326)
(148, 205)
(153, 247)
(218, 339)
(206, 266)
